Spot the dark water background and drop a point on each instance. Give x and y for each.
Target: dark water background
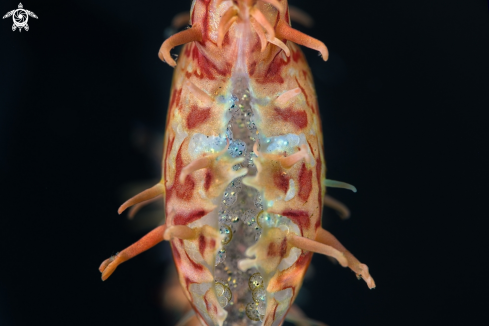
(403, 100)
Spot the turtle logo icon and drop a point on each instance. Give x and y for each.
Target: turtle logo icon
(20, 17)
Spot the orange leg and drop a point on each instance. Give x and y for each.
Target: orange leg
(151, 239)
(284, 31)
(186, 36)
(360, 269)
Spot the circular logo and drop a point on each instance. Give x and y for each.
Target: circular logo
(20, 17)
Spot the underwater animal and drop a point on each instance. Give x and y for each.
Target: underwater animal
(243, 171)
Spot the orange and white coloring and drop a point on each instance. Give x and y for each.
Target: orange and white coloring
(243, 171)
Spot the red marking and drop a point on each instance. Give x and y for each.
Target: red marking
(273, 74)
(208, 69)
(212, 244)
(318, 222)
(272, 249)
(301, 218)
(298, 118)
(304, 92)
(320, 197)
(283, 248)
(303, 260)
(274, 311)
(305, 182)
(257, 46)
(176, 255)
(198, 267)
(281, 181)
(168, 150)
(187, 282)
(197, 116)
(205, 23)
(183, 191)
(184, 219)
(208, 179)
(296, 56)
(251, 71)
(202, 244)
(275, 250)
(175, 97)
(207, 304)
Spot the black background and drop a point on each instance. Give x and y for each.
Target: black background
(403, 97)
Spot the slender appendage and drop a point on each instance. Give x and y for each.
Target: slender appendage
(339, 184)
(135, 209)
(288, 161)
(205, 98)
(280, 44)
(257, 14)
(318, 247)
(156, 190)
(201, 163)
(151, 239)
(227, 19)
(181, 232)
(338, 206)
(190, 35)
(301, 17)
(360, 269)
(283, 30)
(285, 98)
(259, 31)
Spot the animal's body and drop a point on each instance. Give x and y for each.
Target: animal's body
(243, 172)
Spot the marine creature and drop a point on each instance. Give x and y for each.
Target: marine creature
(20, 17)
(243, 171)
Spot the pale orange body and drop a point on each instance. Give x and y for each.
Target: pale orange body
(243, 125)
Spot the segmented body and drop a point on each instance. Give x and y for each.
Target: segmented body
(243, 165)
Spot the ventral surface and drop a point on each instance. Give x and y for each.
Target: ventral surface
(243, 171)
